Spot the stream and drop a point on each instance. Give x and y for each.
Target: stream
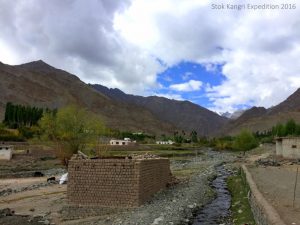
(216, 212)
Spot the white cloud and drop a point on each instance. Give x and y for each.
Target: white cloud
(170, 96)
(117, 44)
(259, 49)
(192, 85)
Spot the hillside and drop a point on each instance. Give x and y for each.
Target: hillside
(183, 114)
(261, 119)
(39, 84)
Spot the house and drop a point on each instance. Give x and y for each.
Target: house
(125, 141)
(288, 147)
(169, 142)
(6, 152)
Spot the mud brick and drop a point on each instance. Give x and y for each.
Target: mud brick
(116, 182)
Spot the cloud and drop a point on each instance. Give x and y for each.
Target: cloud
(170, 96)
(258, 49)
(192, 85)
(79, 37)
(123, 44)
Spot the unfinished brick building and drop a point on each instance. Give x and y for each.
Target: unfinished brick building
(116, 182)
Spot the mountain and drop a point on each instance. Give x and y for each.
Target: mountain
(233, 115)
(182, 114)
(39, 84)
(262, 119)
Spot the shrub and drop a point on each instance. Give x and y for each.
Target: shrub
(245, 141)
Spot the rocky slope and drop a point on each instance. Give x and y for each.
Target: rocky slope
(261, 119)
(182, 114)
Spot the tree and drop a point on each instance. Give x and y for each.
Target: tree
(194, 137)
(72, 128)
(290, 127)
(245, 141)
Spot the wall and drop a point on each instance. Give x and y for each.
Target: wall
(5, 154)
(116, 182)
(288, 151)
(279, 147)
(263, 212)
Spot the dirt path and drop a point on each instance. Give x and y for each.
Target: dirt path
(277, 185)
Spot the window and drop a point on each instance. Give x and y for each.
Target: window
(117, 142)
(123, 143)
(294, 146)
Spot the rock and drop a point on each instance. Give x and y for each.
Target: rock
(158, 220)
(6, 212)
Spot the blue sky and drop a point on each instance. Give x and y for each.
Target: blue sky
(184, 72)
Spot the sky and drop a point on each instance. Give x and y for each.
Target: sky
(223, 59)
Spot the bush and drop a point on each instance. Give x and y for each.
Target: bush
(245, 141)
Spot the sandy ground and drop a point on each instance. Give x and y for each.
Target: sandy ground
(20, 182)
(277, 185)
(34, 202)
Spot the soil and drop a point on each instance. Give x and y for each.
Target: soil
(277, 186)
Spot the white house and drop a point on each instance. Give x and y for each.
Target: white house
(126, 141)
(169, 142)
(6, 152)
(288, 147)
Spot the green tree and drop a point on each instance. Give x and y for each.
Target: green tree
(290, 127)
(72, 128)
(245, 141)
(194, 137)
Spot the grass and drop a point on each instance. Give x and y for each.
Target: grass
(240, 207)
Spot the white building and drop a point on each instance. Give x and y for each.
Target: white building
(126, 141)
(288, 147)
(6, 152)
(169, 142)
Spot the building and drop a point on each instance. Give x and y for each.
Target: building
(116, 182)
(6, 152)
(126, 141)
(288, 147)
(169, 142)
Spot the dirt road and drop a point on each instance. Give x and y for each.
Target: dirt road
(277, 185)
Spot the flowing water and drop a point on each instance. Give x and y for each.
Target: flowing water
(218, 211)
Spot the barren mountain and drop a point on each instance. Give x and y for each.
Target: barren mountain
(261, 119)
(182, 114)
(39, 84)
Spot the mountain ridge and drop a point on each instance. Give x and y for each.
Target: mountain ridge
(186, 115)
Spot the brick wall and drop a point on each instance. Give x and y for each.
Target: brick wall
(116, 182)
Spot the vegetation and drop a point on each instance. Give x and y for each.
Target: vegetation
(72, 128)
(9, 135)
(21, 116)
(290, 128)
(245, 141)
(240, 207)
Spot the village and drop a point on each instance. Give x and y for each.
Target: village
(138, 187)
